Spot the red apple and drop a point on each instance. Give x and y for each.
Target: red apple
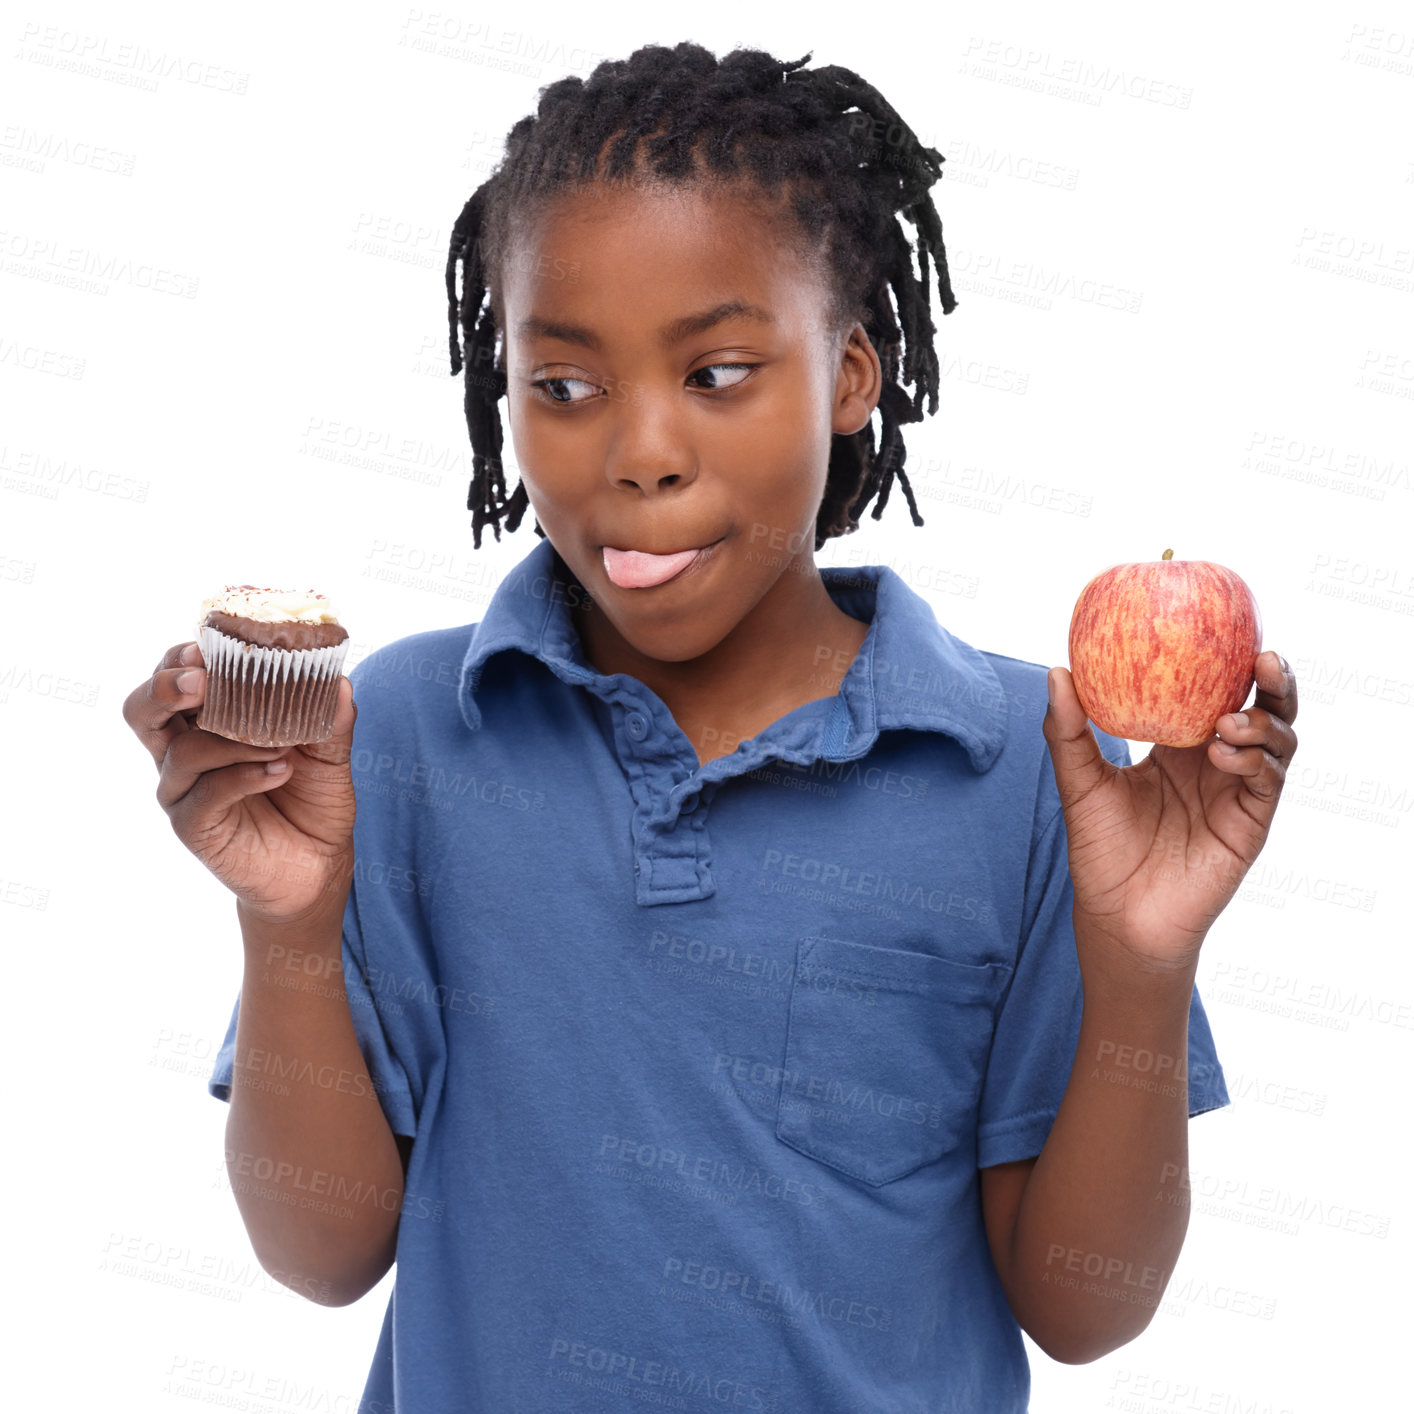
(1160, 650)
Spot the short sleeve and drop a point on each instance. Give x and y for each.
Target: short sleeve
(390, 1080)
(1038, 1022)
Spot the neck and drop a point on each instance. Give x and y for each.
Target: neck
(793, 647)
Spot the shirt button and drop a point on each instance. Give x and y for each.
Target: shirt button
(637, 725)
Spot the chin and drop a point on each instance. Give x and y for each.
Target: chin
(669, 643)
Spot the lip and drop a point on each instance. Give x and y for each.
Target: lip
(644, 550)
(703, 555)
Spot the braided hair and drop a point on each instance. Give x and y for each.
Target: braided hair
(822, 144)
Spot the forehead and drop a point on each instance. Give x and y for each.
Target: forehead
(655, 251)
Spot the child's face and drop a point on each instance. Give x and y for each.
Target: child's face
(646, 442)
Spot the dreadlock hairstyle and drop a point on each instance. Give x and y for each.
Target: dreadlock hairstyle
(822, 141)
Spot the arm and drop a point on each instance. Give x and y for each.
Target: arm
(1086, 1235)
(305, 1125)
(307, 1143)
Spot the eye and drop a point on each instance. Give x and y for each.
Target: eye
(746, 370)
(551, 387)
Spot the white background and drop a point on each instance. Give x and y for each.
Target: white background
(1242, 174)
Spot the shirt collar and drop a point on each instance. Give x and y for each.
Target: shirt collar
(910, 672)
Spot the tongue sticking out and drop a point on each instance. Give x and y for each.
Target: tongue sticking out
(633, 569)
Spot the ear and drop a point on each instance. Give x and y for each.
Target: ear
(858, 384)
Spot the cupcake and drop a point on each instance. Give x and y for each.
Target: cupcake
(273, 658)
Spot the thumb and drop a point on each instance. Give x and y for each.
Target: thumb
(336, 749)
(1079, 764)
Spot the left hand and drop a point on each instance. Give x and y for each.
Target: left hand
(1158, 848)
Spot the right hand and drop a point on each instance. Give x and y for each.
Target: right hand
(282, 842)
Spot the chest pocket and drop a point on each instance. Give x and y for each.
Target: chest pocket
(885, 1051)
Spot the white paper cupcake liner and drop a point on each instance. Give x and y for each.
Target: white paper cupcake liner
(269, 696)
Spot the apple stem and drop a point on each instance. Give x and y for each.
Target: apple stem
(1168, 554)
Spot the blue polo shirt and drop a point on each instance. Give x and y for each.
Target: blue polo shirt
(701, 1062)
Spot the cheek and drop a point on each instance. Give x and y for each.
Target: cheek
(542, 455)
(556, 491)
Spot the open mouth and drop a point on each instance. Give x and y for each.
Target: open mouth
(637, 569)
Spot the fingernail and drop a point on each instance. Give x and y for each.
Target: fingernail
(1227, 748)
(1050, 690)
(1285, 666)
(273, 768)
(189, 682)
(190, 654)
(1239, 719)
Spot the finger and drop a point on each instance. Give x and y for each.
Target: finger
(155, 708)
(215, 792)
(1263, 775)
(195, 753)
(1276, 686)
(1257, 727)
(187, 654)
(1075, 753)
(165, 707)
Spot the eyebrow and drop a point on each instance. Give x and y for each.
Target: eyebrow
(674, 332)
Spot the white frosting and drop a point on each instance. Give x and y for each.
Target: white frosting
(271, 606)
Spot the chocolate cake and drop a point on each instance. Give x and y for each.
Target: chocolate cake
(273, 658)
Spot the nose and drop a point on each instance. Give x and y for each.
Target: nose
(650, 450)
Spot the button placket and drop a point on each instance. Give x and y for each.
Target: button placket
(674, 848)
